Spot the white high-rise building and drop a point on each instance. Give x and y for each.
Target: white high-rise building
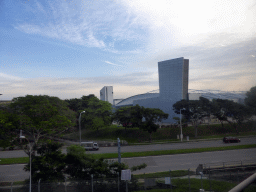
(106, 94)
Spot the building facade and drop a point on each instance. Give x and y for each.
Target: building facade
(106, 94)
(173, 86)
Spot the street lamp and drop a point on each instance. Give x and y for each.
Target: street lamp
(181, 135)
(80, 125)
(30, 150)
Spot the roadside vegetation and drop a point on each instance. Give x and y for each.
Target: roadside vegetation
(183, 185)
(164, 134)
(177, 173)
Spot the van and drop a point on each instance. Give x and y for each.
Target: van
(90, 146)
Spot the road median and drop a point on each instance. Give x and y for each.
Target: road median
(4, 161)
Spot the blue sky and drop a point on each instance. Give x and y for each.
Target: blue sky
(68, 48)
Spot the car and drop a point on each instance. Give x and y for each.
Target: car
(231, 140)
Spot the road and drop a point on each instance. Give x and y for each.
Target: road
(157, 147)
(154, 163)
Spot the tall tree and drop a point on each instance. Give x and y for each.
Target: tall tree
(97, 114)
(152, 116)
(233, 113)
(130, 116)
(41, 116)
(194, 110)
(250, 100)
(49, 164)
(8, 127)
(123, 116)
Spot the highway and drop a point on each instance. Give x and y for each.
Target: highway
(155, 163)
(157, 147)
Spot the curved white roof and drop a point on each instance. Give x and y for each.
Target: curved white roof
(129, 100)
(209, 94)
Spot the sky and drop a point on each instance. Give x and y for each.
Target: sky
(68, 48)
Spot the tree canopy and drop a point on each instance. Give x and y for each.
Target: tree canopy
(224, 110)
(8, 127)
(42, 115)
(130, 116)
(193, 110)
(97, 113)
(137, 116)
(250, 99)
(152, 116)
(231, 112)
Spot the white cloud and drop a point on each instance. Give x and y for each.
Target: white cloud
(4, 77)
(112, 63)
(91, 24)
(185, 22)
(124, 86)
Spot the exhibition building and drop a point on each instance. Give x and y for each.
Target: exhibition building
(173, 86)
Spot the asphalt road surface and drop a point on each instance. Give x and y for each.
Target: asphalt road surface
(157, 147)
(154, 163)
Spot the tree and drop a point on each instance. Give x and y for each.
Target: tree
(50, 164)
(123, 116)
(41, 116)
(233, 113)
(250, 100)
(81, 165)
(194, 110)
(151, 117)
(97, 114)
(8, 130)
(79, 104)
(129, 116)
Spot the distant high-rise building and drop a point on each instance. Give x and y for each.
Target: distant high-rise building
(173, 86)
(173, 79)
(106, 94)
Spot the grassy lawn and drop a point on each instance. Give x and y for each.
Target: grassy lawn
(172, 152)
(217, 186)
(178, 173)
(164, 134)
(140, 154)
(4, 161)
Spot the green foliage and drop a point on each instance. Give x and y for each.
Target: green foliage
(177, 173)
(79, 104)
(42, 115)
(250, 100)
(81, 165)
(223, 110)
(123, 116)
(129, 116)
(49, 166)
(151, 117)
(138, 167)
(194, 110)
(233, 113)
(144, 118)
(97, 113)
(8, 127)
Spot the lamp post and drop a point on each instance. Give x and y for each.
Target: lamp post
(181, 135)
(80, 125)
(30, 150)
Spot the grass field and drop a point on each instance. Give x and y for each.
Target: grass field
(167, 133)
(216, 186)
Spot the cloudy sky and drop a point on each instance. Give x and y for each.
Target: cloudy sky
(71, 48)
